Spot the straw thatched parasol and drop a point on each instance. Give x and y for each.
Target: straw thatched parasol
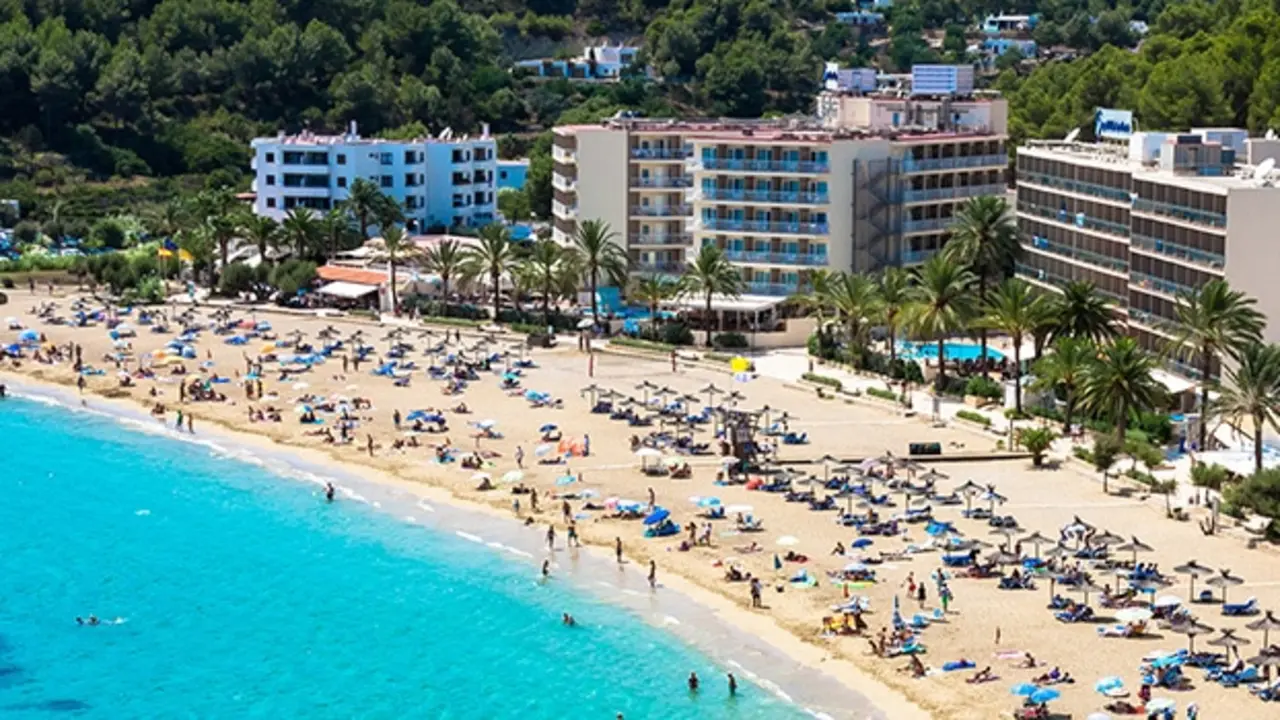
(1191, 630)
(1223, 581)
(1229, 641)
(1036, 540)
(1193, 570)
(1266, 624)
(1134, 546)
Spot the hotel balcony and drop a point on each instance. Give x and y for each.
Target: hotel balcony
(1152, 284)
(1078, 221)
(560, 210)
(763, 196)
(660, 153)
(1093, 190)
(560, 182)
(1204, 218)
(927, 225)
(1203, 259)
(659, 266)
(950, 193)
(764, 226)
(675, 182)
(661, 239)
(744, 165)
(1084, 257)
(1044, 277)
(772, 258)
(774, 289)
(916, 257)
(1154, 323)
(561, 155)
(661, 210)
(959, 162)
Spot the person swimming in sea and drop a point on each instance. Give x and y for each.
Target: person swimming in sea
(568, 620)
(328, 491)
(93, 620)
(546, 568)
(693, 682)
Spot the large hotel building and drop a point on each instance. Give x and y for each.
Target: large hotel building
(1151, 216)
(873, 180)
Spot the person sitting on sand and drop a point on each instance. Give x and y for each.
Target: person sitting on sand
(485, 484)
(1028, 661)
(838, 549)
(983, 675)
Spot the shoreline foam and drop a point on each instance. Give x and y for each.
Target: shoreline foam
(316, 466)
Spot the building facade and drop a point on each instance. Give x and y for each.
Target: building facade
(439, 182)
(1148, 219)
(598, 62)
(512, 174)
(874, 181)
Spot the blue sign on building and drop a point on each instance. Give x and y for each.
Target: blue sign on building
(1117, 124)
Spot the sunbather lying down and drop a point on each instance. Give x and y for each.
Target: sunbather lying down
(982, 676)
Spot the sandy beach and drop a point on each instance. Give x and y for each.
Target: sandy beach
(985, 625)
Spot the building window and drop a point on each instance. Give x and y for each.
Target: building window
(342, 182)
(385, 181)
(271, 157)
(384, 158)
(410, 180)
(271, 179)
(342, 159)
(502, 174)
(271, 202)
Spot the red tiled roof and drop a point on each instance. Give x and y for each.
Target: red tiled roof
(337, 273)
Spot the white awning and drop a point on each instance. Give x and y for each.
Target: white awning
(724, 303)
(1175, 384)
(348, 290)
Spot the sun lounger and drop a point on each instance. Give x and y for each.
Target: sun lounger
(795, 439)
(964, 560)
(1244, 677)
(1081, 614)
(1248, 607)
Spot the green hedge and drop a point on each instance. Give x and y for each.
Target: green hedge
(972, 416)
(823, 380)
(717, 357)
(641, 344)
(884, 394)
(457, 322)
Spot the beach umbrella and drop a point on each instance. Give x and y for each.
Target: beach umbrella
(1266, 624)
(1133, 615)
(734, 398)
(1267, 659)
(1110, 686)
(1036, 540)
(1005, 558)
(1166, 601)
(1107, 538)
(827, 462)
(1098, 716)
(1191, 630)
(586, 323)
(787, 540)
(1224, 581)
(658, 515)
(1044, 695)
(1134, 546)
(645, 387)
(487, 424)
(543, 450)
(711, 391)
(566, 479)
(1193, 570)
(593, 390)
(932, 476)
(1086, 588)
(1024, 689)
(1229, 641)
(1161, 704)
(706, 502)
(992, 497)
(1076, 528)
(549, 427)
(513, 476)
(969, 490)
(860, 543)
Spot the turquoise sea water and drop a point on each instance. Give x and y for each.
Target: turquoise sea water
(244, 595)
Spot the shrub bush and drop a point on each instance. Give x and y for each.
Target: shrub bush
(822, 380)
(975, 417)
(1209, 475)
(641, 344)
(1037, 441)
(730, 341)
(1083, 453)
(983, 387)
(883, 394)
(676, 334)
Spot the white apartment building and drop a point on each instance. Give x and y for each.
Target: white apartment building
(874, 181)
(440, 182)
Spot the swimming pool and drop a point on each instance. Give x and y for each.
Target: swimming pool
(955, 351)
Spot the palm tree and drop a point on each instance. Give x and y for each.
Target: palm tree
(942, 305)
(599, 254)
(1063, 369)
(1083, 312)
(710, 273)
(1015, 309)
(1212, 322)
(817, 299)
(364, 198)
(1252, 391)
(542, 268)
(984, 237)
(394, 248)
(895, 295)
(445, 259)
(302, 230)
(1119, 382)
(338, 233)
(262, 231)
(653, 290)
(493, 256)
(857, 304)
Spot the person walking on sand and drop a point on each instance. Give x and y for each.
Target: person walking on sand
(617, 549)
(551, 537)
(586, 445)
(573, 540)
(368, 442)
(395, 419)
(997, 635)
(673, 361)
(80, 384)
(567, 512)
(546, 569)
(920, 595)
(755, 593)
(520, 456)
(653, 499)
(533, 499)
(653, 575)
(179, 423)
(191, 424)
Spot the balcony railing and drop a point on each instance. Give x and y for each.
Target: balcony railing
(927, 224)
(1078, 187)
(661, 266)
(789, 228)
(915, 257)
(660, 210)
(1168, 287)
(660, 153)
(1111, 263)
(560, 182)
(1164, 325)
(1075, 220)
(765, 196)
(1045, 276)
(1180, 212)
(662, 239)
(774, 289)
(914, 165)
(786, 166)
(947, 193)
(750, 256)
(1212, 260)
(661, 182)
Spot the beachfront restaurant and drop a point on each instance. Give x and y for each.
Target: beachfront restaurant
(349, 288)
(761, 319)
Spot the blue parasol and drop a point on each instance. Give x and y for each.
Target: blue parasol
(1044, 695)
(657, 516)
(1024, 689)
